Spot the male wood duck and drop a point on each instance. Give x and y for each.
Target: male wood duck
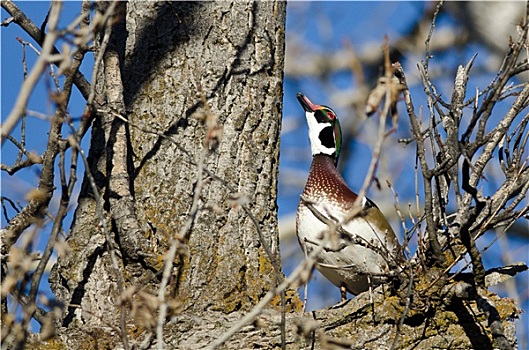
(360, 254)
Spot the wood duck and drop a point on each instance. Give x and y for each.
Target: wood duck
(363, 251)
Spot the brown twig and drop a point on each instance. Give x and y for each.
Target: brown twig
(427, 173)
(104, 227)
(299, 274)
(29, 84)
(29, 27)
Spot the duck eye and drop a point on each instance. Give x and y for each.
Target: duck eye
(330, 115)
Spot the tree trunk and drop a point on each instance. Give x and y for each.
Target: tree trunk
(201, 88)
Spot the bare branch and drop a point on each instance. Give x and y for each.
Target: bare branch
(29, 27)
(36, 206)
(433, 241)
(29, 84)
(298, 275)
(104, 227)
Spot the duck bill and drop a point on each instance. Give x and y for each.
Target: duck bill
(305, 103)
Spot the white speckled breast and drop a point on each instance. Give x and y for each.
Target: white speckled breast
(343, 262)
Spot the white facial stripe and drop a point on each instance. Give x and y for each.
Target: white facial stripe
(315, 129)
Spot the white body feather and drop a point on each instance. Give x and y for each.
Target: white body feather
(342, 262)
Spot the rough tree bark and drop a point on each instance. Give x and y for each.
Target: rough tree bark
(199, 74)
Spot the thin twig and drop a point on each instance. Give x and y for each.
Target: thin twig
(46, 181)
(29, 84)
(430, 34)
(100, 53)
(103, 222)
(29, 27)
(433, 241)
(297, 275)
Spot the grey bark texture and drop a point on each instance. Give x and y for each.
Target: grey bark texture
(207, 76)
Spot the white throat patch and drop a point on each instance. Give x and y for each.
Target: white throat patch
(315, 129)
